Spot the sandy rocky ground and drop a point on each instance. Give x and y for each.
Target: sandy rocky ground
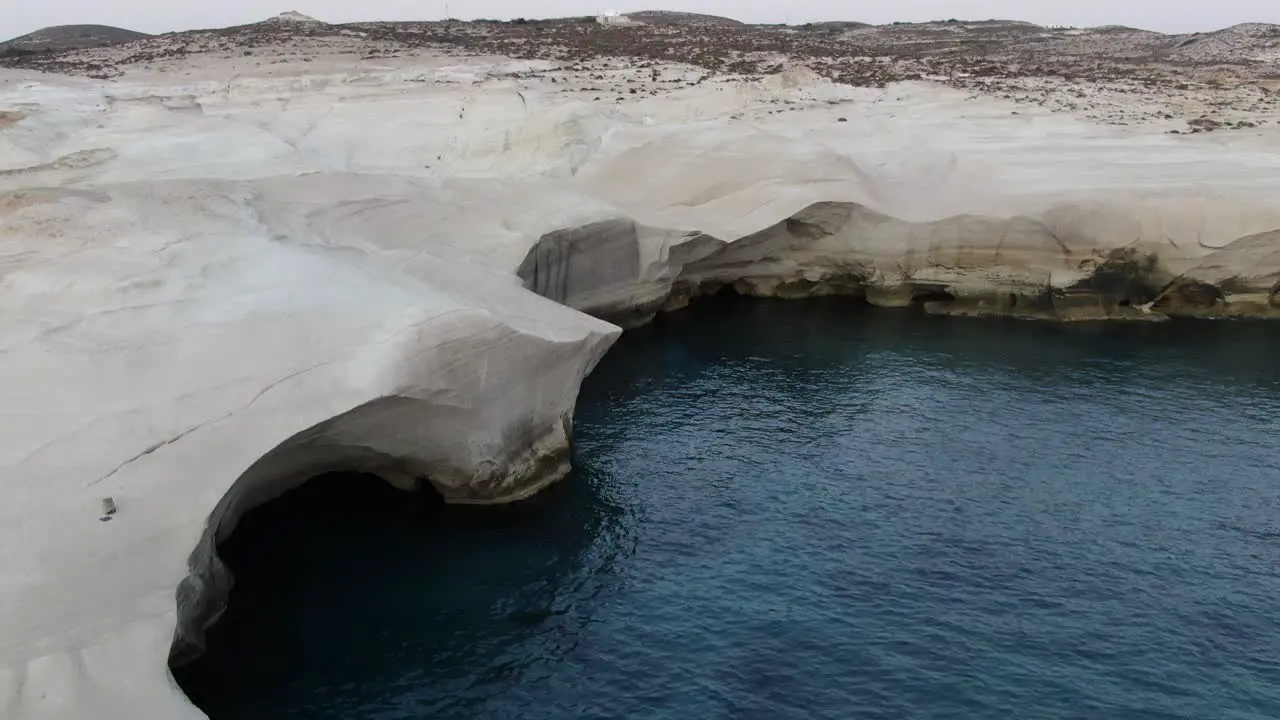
(1203, 82)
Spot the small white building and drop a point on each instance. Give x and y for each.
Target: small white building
(613, 17)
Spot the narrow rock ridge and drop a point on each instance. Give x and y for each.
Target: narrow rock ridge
(1020, 267)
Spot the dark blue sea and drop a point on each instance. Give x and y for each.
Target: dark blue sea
(786, 510)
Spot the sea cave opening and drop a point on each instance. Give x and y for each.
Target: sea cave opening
(796, 509)
(334, 522)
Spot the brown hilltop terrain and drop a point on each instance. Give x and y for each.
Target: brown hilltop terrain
(63, 38)
(670, 17)
(1113, 74)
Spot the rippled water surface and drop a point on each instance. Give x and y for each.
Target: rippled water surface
(811, 510)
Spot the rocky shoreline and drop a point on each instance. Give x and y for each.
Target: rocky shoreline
(236, 259)
(828, 250)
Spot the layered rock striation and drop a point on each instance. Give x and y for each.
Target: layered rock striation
(1020, 267)
(218, 281)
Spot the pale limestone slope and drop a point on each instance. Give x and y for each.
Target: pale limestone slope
(214, 284)
(156, 362)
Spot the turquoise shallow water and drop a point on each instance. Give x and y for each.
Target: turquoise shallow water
(811, 510)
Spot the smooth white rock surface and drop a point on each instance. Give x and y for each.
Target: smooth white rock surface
(216, 281)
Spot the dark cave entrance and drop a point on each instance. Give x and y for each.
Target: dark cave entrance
(336, 522)
(327, 572)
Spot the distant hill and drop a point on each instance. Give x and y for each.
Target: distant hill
(1258, 42)
(69, 37)
(670, 17)
(834, 26)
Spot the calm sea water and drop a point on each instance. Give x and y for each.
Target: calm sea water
(811, 510)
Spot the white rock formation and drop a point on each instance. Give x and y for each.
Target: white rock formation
(218, 280)
(613, 17)
(293, 16)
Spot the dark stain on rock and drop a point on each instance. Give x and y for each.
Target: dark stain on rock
(922, 293)
(1237, 286)
(570, 262)
(1192, 295)
(1124, 279)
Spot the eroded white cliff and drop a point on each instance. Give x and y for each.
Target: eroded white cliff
(216, 284)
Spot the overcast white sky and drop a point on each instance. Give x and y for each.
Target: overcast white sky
(22, 16)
